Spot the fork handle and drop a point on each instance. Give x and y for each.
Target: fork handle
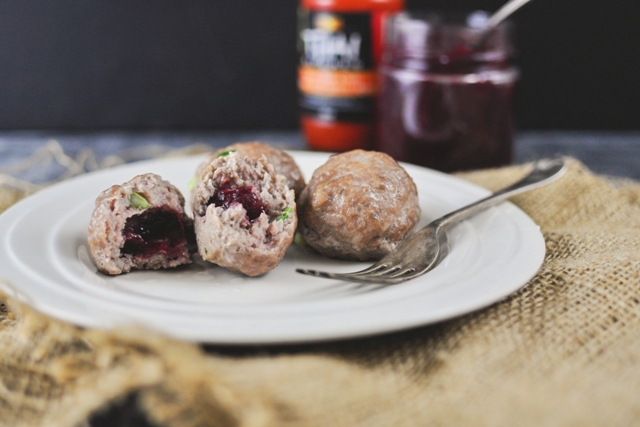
(544, 172)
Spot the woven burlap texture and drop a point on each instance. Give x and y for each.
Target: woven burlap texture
(563, 351)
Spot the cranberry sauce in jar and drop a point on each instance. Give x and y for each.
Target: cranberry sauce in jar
(446, 96)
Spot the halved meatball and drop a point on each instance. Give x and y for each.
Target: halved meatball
(359, 205)
(281, 161)
(140, 224)
(244, 213)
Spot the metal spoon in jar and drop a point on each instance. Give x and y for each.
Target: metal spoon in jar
(505, 11)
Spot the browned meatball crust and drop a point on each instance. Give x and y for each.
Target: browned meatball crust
(359, 205)
(244, 214)
(281, 161)
(140, 224)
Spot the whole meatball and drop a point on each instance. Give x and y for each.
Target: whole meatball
(359, 205)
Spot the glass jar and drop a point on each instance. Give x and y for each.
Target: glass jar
(446, 95)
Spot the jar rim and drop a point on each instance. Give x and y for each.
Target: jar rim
(442, 39)
(474, 19)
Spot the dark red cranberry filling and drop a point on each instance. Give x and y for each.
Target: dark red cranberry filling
(228, 196)
(155, 231)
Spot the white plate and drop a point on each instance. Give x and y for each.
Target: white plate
(45, 258)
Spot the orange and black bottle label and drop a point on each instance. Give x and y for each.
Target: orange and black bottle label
(337, 77)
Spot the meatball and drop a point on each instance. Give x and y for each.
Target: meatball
(244, 214)
(359, 205)
(140, 224)
(281, 161)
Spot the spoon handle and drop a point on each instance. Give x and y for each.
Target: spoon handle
(543, 173)
(506, 10)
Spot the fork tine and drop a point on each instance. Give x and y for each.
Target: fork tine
(350, 277)
(401, 272)
(371, 269)
(383, 271)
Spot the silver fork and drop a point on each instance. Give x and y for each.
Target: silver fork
(425, 249)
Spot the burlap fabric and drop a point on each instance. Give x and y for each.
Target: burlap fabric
(563, 351)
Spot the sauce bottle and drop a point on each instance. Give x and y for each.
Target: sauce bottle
(340, 44)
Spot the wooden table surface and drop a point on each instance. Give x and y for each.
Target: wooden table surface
(608, 153)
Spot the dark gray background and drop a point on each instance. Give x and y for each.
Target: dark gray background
(230, 64)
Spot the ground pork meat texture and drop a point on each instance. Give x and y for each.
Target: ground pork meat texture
(244, 213)
(281, 161)
(140, 224)
(358, 206)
